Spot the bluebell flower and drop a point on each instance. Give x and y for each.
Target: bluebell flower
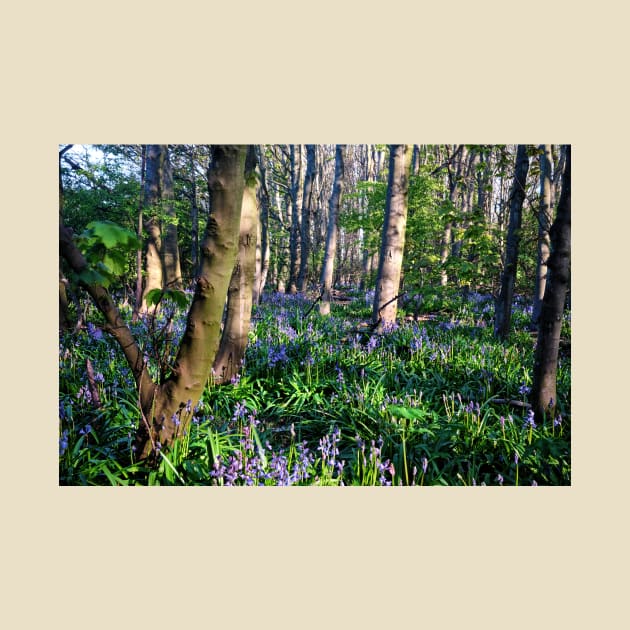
(63, 442)
(94, 332)
(529, 421)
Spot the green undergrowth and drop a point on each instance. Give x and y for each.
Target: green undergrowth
(322, 401)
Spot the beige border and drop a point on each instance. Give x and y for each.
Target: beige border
(325, 72)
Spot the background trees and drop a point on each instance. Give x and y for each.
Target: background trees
(313, 220)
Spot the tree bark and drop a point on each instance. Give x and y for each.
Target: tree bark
(138, 298)
(307, 209)
(544, 221)
(543, 395)
(503, 310)
(153, 259)
(393, 237)
(326, 278)
(166, 408)
(170, 247)
(262, 242)
(229, 358)
(447, 236)
(296, 217)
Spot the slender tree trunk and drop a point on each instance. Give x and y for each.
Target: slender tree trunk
(393, 237)
(447, 235)
(170, 247)
(544, 222)
(153, 259)
(330, 252)
(262, 242)
(194, 214)
(307, 209)
(229, 358)
(543, 395)
(296, 216)
(138, 298)
(503, 314)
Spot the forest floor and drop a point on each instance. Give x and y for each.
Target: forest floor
(433, 400)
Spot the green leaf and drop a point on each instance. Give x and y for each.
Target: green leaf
(154, 296)
(409, 413)
(113, 235)
(91, 276)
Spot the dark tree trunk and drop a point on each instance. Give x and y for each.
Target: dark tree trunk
(296, 211)
(503, 314)
(543, 395)
(454, 184)
(545, 212)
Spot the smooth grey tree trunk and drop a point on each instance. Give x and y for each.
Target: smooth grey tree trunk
(393, 237)
(229, 357)
(307, 210)
(170, 246)
(326, 278)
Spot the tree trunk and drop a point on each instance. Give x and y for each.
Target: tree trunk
(227, 363)
(393, 236)
(194, 214)
(543, 395)
(503, 314)
(307, 209)
(167, 408)
(170, 247)
(447, 236)
(326, 278)
(138, 298)
(545, 213)
(153, 260)
(262, 242)
(296, 216)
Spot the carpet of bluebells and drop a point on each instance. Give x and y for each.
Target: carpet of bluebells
(432, 400)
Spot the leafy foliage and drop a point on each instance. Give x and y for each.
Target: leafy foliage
(105, 246)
